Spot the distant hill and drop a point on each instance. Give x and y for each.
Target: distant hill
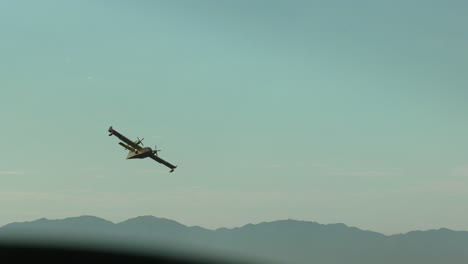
(284, 241)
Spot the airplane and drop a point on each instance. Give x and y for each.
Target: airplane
(138, 152)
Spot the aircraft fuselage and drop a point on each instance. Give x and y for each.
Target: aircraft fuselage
(140, 154)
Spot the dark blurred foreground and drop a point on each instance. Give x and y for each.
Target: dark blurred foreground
(67, 252)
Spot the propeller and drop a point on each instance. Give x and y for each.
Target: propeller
(139, 141)
(156, 150)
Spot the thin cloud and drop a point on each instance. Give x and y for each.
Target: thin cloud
(365, 173)
(274, 166)
(460, 171)
(11, 172)
(151, 171)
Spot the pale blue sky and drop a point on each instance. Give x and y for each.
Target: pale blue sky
(328, 111)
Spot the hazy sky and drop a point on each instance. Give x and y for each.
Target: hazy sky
(329, 111)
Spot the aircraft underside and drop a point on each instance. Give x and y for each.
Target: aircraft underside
(141, 154)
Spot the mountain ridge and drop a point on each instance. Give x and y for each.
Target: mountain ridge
(85, 218)
(283, 241)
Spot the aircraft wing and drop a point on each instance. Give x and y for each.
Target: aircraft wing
(158, 159)
(124, 139)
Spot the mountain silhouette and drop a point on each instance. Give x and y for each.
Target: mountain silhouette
(283, 241)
